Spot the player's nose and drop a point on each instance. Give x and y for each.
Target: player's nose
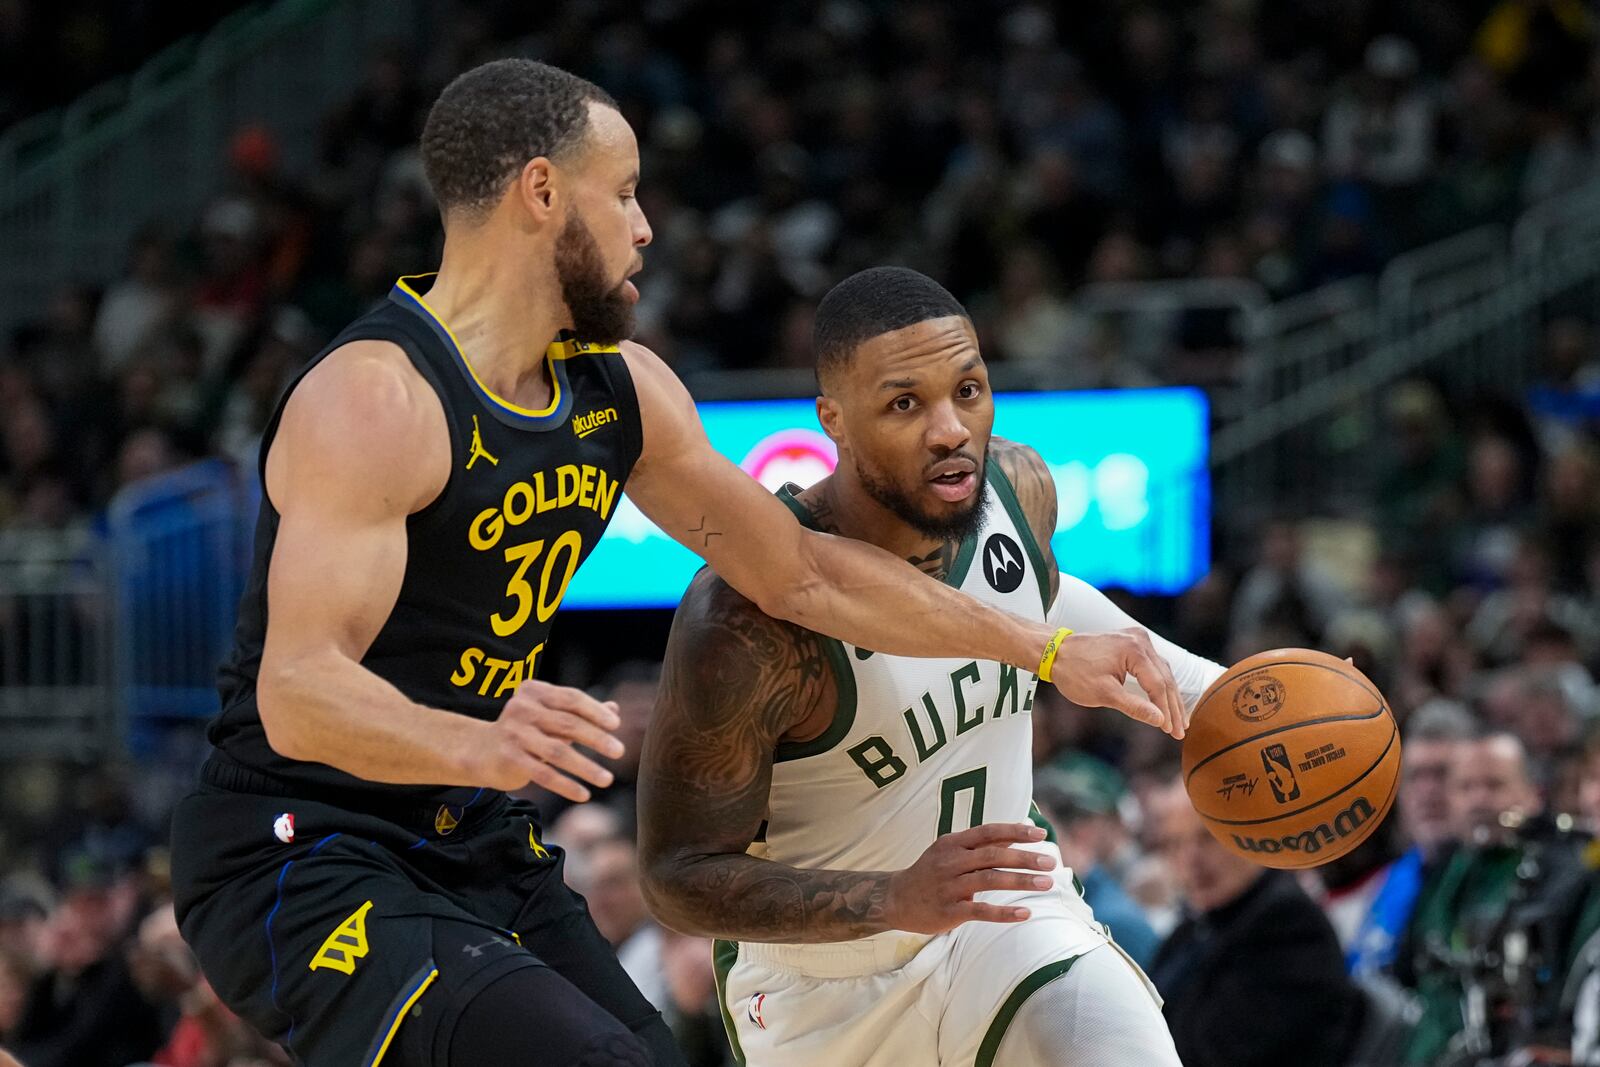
(946, 431)
(640, 226)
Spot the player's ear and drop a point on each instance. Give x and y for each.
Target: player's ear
(831, 416)
(535, 188)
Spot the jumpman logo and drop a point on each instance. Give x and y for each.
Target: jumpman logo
(477, 447)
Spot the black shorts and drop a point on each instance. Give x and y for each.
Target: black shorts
(325, 942)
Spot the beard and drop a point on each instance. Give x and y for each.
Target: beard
(957, 526)
(602, 314)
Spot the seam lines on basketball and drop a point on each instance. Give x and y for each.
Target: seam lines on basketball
(1278, 730)
(1229, 678)
(1383, 813)
(1316, 803)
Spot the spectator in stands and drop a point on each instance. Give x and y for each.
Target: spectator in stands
(1029, 320)
(84, 1010)
(207, 1034)
(1082, 806)
(16, 977)
(1507, 618)
(1416, 494)
(1570, 506)
(1541, 709)
(1286, 590)
(1380, 127)
(1497, 510)
(1491, 796)
(1367, 895)
(142, 303)
(582, 827)
(608, 877)
(692, 1008)
(1539, 48)
(1255, 968)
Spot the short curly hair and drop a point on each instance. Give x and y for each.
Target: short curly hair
(871, 303)
(491, 120)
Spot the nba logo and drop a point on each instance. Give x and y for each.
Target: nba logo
(1280, 773)
(753, 1009)
(283, 827)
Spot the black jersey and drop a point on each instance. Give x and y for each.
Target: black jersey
(487, 562)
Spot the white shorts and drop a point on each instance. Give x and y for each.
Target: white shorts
(910, 1000)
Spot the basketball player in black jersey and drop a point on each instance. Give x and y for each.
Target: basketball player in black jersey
(350, 871)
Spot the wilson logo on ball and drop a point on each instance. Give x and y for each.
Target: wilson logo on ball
(1309, 842)
(1258, 698)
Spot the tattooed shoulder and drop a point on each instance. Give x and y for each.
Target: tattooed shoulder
(727, 660)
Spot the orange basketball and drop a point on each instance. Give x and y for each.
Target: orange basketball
(1292, 758)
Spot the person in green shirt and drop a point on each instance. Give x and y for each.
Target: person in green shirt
(1491, 792)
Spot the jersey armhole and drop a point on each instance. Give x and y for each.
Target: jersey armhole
(396, 336)
(1008, 498)
(844, 712)
(620, 379)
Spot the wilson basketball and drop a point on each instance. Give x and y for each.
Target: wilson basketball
(1292, 758)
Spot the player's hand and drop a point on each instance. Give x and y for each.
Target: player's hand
(535, 739)
(935, 893)
(1090, 670)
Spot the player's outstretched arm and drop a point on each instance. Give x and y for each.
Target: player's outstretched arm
(844, 588)
(735, 682)
(362, 445)
(1147, 674)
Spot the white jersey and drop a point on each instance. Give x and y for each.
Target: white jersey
(918, 748)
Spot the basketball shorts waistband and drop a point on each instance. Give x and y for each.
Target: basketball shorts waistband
(839, 959)
(220, 771)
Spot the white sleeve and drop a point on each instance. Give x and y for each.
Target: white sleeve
(1083, 608)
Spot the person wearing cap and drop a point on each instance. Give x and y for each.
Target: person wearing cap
(1080, 800)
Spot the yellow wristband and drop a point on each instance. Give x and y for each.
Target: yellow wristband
(1050, 651)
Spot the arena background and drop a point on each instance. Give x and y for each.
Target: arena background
(1366, 234)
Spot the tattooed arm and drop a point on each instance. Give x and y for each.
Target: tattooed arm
(735, 683)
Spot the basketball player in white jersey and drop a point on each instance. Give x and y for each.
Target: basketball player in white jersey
(857, 827)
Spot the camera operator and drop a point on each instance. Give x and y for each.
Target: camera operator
(1484, 928)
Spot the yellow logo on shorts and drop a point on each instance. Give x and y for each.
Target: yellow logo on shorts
(533, 843)
(346, 944)
(446, 820)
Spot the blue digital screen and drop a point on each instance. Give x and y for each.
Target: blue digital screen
(1130, 469)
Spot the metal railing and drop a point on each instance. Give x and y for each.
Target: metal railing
(1312, 435)
(56, 693)
(77, 183)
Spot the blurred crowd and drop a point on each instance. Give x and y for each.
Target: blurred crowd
(1019, 152)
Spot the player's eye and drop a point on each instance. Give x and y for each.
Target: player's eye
(969, 391)
(902, 403)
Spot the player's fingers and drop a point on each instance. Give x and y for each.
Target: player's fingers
(1161, 693)
(547, 777)
(565, 698)
(971, 910)
(994, 833)
(562, 755)
(1133, 706)
(1172, 697)
(997, 856)
(988, 881)
(583, 732)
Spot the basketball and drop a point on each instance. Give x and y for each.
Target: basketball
(1292, 758)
